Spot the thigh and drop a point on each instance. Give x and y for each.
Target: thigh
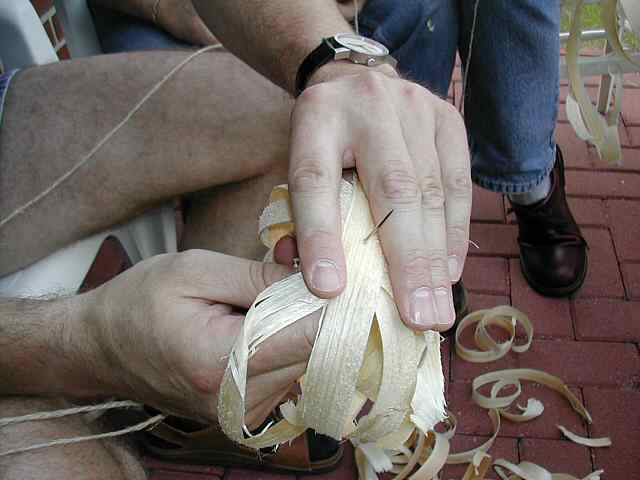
(87, 460)
(225, 219)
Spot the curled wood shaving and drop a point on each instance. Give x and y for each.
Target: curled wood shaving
(531, 471)
(490, 350)
(587, 442)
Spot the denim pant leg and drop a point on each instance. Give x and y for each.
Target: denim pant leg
(512, 91)
(118, 32)
(422, 36)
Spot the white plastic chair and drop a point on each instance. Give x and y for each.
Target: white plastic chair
(600, 65)
(24, 43)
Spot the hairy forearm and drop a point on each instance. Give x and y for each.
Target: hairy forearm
(46, 349)
(275, 36)
(213, 123)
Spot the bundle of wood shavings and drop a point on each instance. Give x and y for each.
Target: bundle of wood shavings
(364, 352)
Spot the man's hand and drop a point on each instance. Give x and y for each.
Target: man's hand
(165, 329)
(410, 150)
(408, 146)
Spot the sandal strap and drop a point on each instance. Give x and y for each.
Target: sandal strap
(294, 455)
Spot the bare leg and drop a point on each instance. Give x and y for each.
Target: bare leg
(88, 460)
(214, 123)
(225, 219)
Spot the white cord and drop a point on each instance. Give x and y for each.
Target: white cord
(69, 173)
(469, 52)
(355, 16)
(152, 422)
(32, 417)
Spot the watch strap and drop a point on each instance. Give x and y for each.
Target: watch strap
(322, 55)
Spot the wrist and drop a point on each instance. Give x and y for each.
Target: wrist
(87, 366)
(341, 68)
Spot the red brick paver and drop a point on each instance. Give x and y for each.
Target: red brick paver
(577, 363)
(625, 224)
(487, 206)
(494, 240)
(603, 279)
(551, 316)
(487, 275)
(631, 275)
(557, 456)
(616, 415)
(608, 320)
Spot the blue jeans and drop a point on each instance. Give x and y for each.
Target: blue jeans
(512, 91)
(122, 33)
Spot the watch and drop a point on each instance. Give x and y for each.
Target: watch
(344, 46)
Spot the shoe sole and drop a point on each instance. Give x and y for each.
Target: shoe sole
(559, 292)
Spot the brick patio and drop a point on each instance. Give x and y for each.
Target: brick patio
(590, 341)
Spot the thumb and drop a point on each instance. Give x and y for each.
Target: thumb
(231, 280)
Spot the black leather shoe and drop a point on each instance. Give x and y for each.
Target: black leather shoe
(553, 252)
(461, 305)
(460, 301)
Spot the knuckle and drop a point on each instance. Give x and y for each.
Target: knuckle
(310, 176)
(400, 186)
(373, 83)
(186, 262)
(412, 91)
(458, 183)
(450, 116)
(457, 234)
(416, 266)
(432, 193)
(449, 110)
(438, 266)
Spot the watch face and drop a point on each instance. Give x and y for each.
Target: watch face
(361, 44)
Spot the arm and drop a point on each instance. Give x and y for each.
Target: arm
(205, 127)
(159, 333)
(46, 349)
(408, 146)
(275, 36)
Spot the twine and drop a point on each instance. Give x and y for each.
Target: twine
(356, 23)
(465, 76)
(33, 417)
(152, 422)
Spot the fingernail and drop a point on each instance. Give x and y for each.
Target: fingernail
(453, 268)
(444, 304)
(324, 276)
(423, 310)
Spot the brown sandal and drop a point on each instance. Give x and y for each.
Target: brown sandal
(184, 441)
